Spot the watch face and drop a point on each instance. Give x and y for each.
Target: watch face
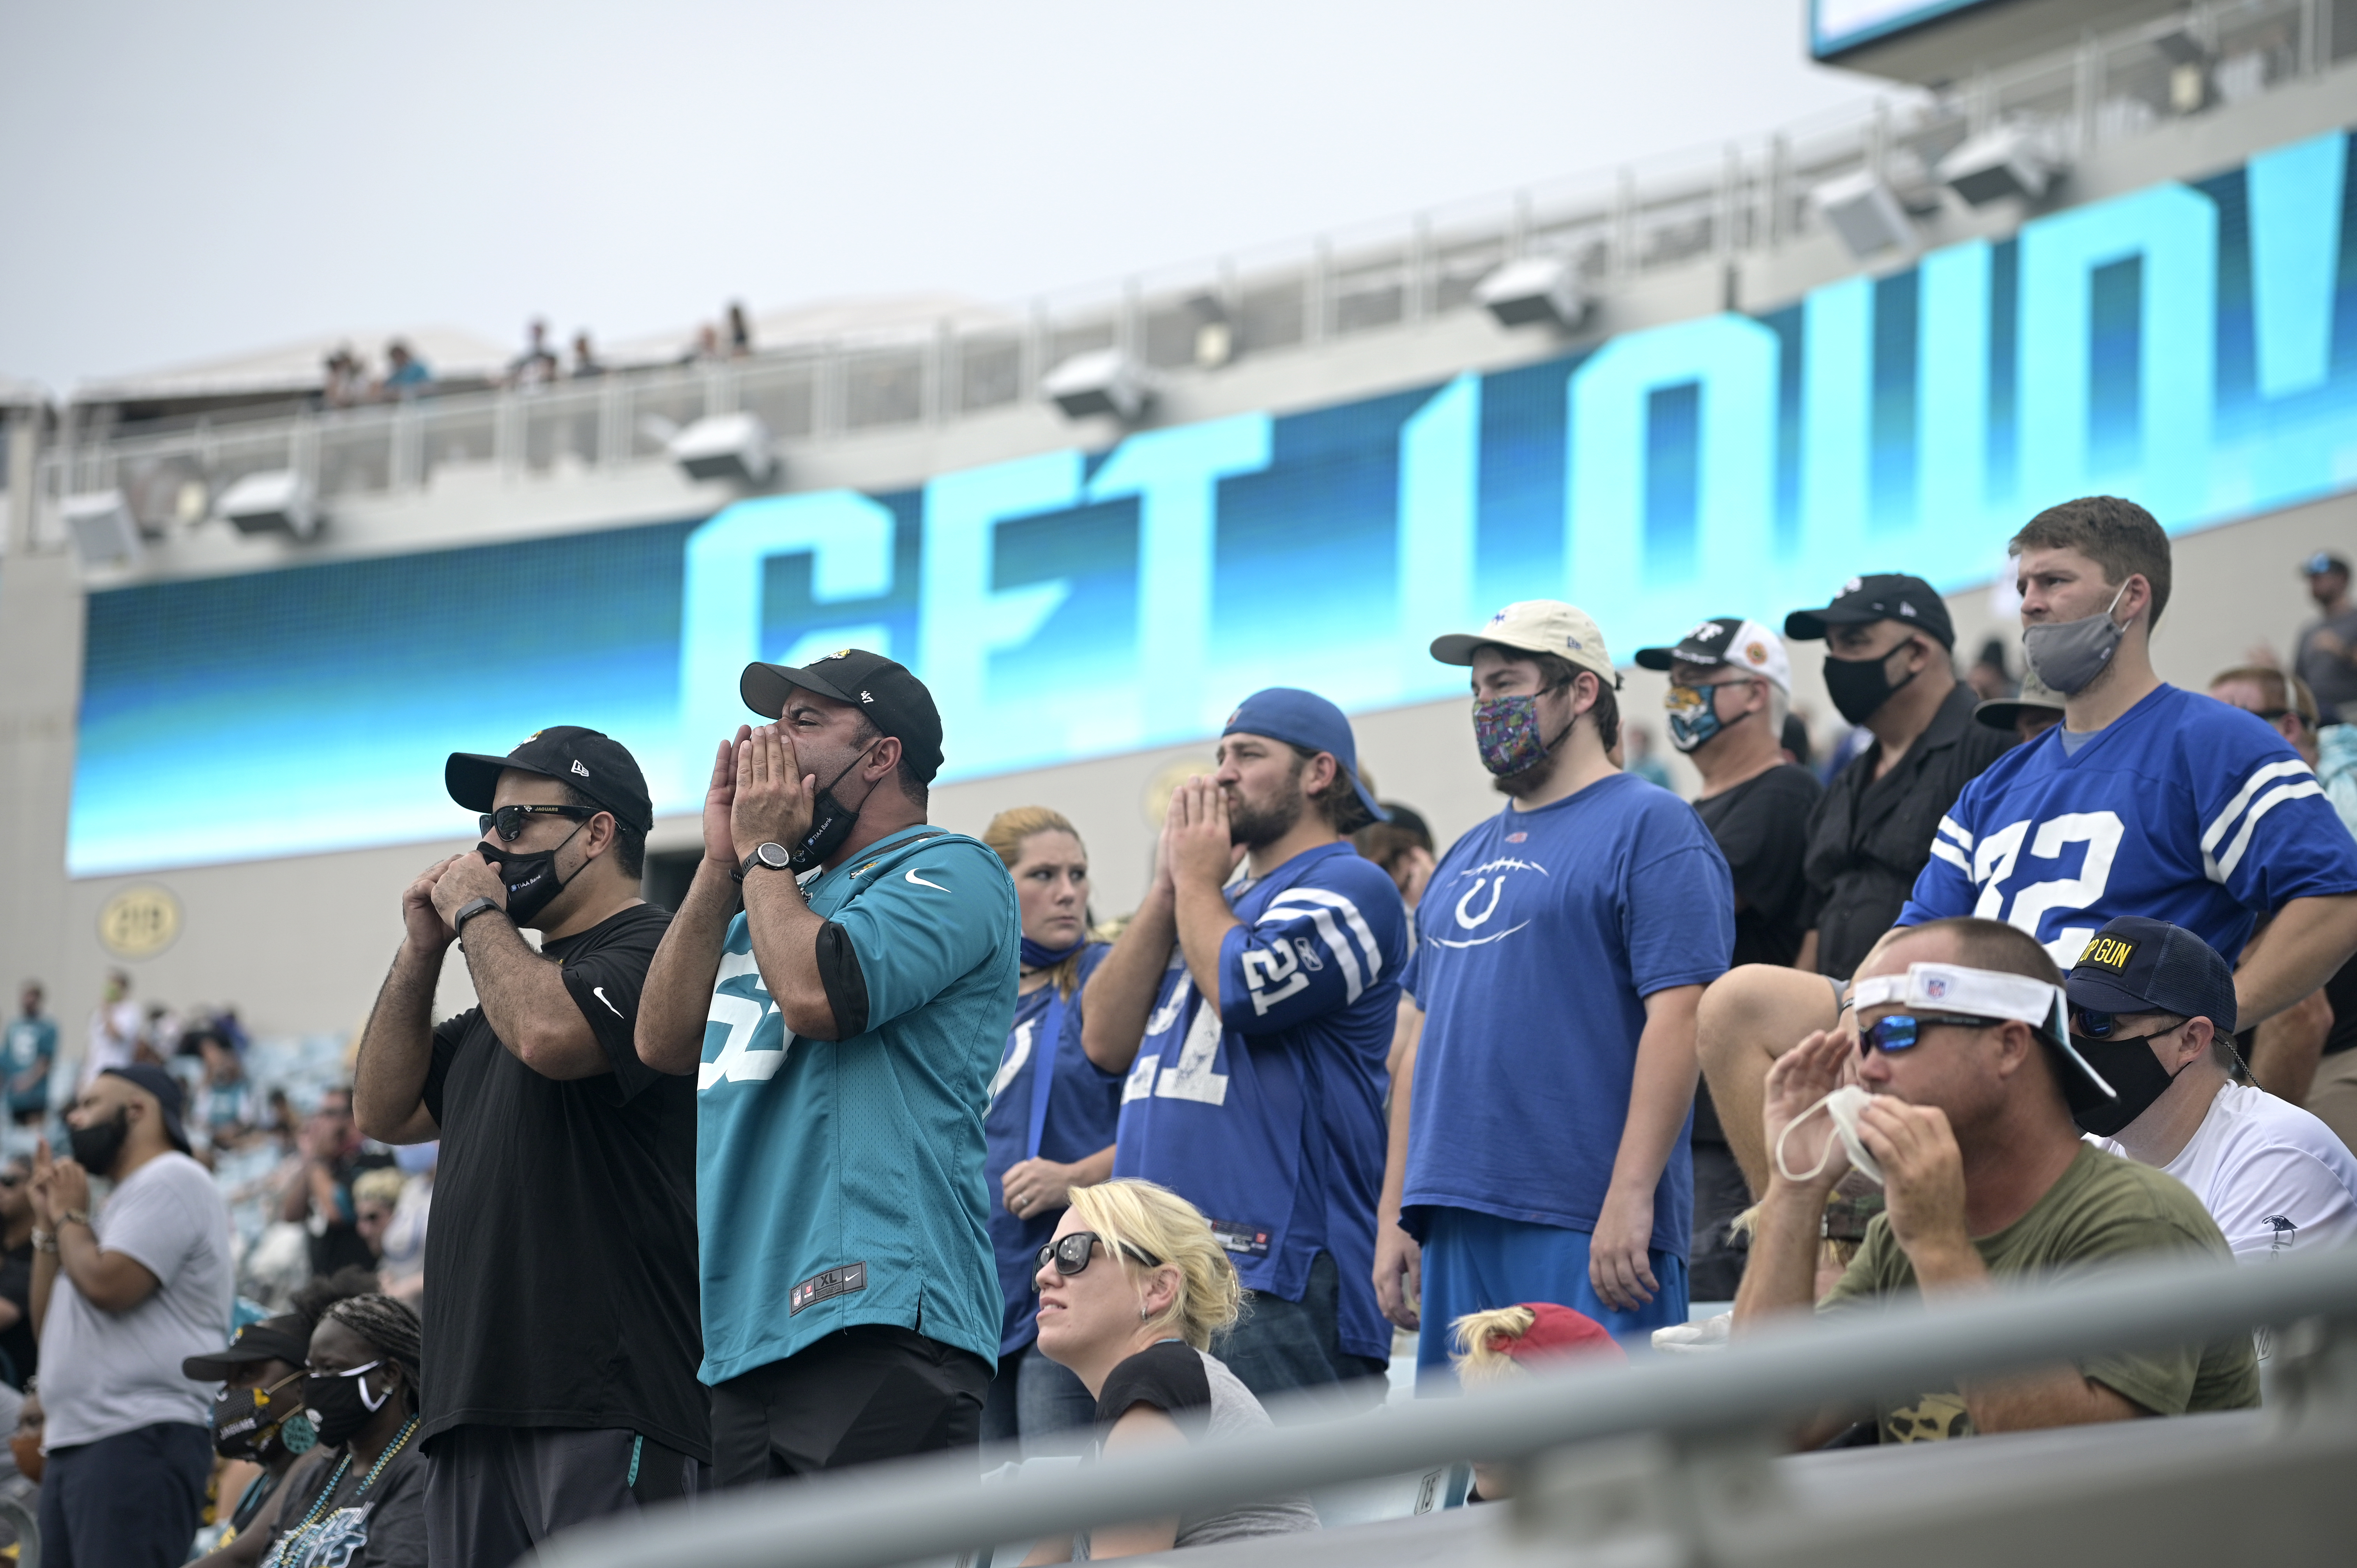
(773, 856)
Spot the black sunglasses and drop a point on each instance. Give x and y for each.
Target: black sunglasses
(1902, 1031)
(1070, 1254)
(509, 820)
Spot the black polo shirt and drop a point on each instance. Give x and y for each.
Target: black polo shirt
(1870, 837)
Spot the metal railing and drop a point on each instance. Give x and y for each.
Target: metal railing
(1614, 225)
(915, 1510)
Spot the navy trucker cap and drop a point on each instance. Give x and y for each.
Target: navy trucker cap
(2140, 965)
(1304, 718)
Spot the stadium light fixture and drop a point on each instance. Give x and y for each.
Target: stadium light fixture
(1535, 291)
(733, 447)
(278, 502)
(1867, 214)
(1215, 335)
(2007, 161)
(103, 530)
(1103, 381)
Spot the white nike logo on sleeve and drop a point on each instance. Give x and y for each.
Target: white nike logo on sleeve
(922, 883)
(600, 992)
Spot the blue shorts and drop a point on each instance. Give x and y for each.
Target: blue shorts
(1473, 1261)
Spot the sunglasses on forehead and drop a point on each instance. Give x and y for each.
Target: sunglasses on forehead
(1902, 1031)
(1070, 1254)
(509, 821)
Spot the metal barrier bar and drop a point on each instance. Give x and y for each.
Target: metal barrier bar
(899, 1513)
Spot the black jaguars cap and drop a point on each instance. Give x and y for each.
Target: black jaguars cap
(595, 764)
(287, 1337)
(1885, 596)
(895, 701)
(2140, 965)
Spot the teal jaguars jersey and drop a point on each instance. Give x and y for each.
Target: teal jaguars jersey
(840, 1182)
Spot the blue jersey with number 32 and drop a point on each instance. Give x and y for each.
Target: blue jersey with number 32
(1266, 1111)
(2182, 809)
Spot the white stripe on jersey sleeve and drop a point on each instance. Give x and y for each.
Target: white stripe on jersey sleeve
(1953, 855)
(1351, 916)
(1948, 826)
(2217, 827)
(1351, 982)
(2223, 867)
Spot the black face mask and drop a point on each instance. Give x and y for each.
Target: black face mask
(2128, 1065)
(260, 1423)
(100, 1144)
(1860, 686)
(530, 880)
(831, 822)
(339, 1404)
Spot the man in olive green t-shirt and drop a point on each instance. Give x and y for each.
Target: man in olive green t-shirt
(1960, 1037)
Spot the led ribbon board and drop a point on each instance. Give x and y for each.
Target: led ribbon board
(2192, 345)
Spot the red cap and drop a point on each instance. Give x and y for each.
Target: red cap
(1557, 1331)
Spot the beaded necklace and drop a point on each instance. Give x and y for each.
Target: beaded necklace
(319, 1509)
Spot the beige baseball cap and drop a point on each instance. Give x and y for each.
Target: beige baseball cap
(1534, 626)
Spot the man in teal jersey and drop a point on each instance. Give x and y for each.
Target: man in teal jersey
(842, 1031)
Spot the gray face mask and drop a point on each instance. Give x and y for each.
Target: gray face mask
(2069, 655)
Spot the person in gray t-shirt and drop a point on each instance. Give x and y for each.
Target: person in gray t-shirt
(120, 1300)
(1132, 1288)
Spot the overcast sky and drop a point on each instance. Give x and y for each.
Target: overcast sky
(189, 181)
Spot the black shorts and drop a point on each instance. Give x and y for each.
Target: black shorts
(871, 1391)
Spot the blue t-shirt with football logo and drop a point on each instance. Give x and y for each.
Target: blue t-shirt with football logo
(1538, 938)
(2183, 808)
(1083, 1104)
(1266, 1112)
(839, 1182)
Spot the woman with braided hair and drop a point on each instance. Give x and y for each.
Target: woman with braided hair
(365, 1505)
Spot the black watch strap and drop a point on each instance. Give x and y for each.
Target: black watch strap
(469, 910)
(755, 861)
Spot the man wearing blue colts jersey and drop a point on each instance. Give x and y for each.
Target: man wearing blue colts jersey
(1252, 1019)
(843, 1032)
(1539, 1133)
(2146, 800)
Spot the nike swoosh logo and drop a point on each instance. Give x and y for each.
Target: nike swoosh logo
(600, 992)
(922, 883)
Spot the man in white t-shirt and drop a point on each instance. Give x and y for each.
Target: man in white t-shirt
(113, 1031)
(2152, 1009)
(120, 1301)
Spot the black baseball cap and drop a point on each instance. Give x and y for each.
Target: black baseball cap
(895, 701)
(287, 1337)
(166, 1090)
(595, 764)
(2323, 561)
(2140, 965)
(1884, 595)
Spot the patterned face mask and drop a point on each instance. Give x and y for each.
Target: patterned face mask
(1694, 715)
(1506, 729)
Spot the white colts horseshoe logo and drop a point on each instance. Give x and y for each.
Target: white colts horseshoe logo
(1496, 887)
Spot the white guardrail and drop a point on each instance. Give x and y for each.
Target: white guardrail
(1677, 1450)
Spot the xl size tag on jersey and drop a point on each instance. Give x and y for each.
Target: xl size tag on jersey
(825, 1287)
(1252, 1241)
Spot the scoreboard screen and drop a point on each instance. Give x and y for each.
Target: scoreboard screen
(1836, 27)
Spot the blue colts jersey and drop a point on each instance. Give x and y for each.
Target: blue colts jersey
(1266, 1111)
(2182, 809)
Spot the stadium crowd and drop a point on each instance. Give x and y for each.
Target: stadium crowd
(880, 1145)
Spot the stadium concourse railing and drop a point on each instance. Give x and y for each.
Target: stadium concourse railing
(1616, 225)
(1670, 1460)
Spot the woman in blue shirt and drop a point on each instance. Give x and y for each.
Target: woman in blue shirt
(1046, 1133)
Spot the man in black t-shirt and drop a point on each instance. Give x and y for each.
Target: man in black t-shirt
(1889, 666)
(1730, 692)
(18, 1341)
(561, 1326)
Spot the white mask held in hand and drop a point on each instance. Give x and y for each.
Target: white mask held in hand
(1842, 1106)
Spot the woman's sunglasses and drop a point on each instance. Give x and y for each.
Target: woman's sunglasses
(1901, 1031)
(510, 821)
(1070, 1254)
